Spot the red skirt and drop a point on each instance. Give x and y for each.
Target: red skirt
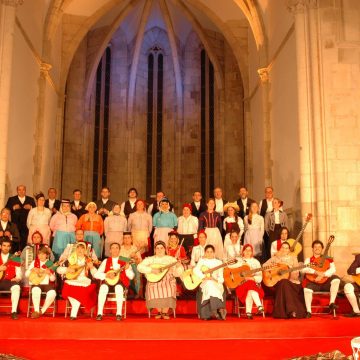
(242, 290)
(86, 295)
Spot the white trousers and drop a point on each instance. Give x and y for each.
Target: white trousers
(119, 296)
(36, 296)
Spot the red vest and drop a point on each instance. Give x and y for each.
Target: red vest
(10, 272)
(278, 244)
(123, 278)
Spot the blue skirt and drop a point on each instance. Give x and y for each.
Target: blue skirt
(61, 240)
(95, 240)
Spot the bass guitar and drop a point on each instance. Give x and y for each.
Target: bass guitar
(322, 264)
(112, 277)
(36, 277)
(191, 281)
(295, 246)
(233, 277)
(281, 271)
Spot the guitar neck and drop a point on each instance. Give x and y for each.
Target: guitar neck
(299, 235)
(169, 266)
(209, 271)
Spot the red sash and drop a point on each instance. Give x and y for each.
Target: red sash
(278, 244)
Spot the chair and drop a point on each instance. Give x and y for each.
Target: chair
(237, 307)
(5, 306)
(111, 297)
(319, 294)
(52, 307)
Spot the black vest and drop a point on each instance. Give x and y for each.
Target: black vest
(264, 207)
(128, 209)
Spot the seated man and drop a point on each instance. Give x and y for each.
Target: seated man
(10, 264)
(352, 287)
(9, 229)
(42, 278)
(109, 270)
(331, 284)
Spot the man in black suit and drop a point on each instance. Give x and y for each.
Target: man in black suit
(104, 205)
(198, 205)
(219, 202)
(9, 230)
(244, 202)
(52, 203)
(77, 206)
(20, 205)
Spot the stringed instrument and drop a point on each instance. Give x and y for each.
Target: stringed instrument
(115, 274)
(73, 275)
(191, 281)
(233, 277)
(295, 246)
(281, 271)
(322, 264)
(163, 269)
(3, 272)
(36, 277)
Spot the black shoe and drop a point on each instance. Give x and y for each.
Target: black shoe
(14, 315)
(260, 311)
(352, 315)
(308, 315)
(99, 317)
(118, 317)
(72, 317)
(249, 316)
(332, 307)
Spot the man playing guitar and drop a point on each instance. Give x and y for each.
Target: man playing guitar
(10, 274)
(110, 270)
(323, 279)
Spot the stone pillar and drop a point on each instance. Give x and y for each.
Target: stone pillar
(7, 28)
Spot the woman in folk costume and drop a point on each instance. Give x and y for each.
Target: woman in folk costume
(175, 249)
(113, 263)
(40, 265)
(188, 226)
(63, 225)
(30, 252)
(161, 295)
(79, 291)
(198, 251)
(164, 221)
(140, 225)
(129, 252)
(114, 226)
(211, 222)
(289, 294)
(38, 219)
(276, 245)
(232, 208)
(250, 291)
(254, 230)
(233, 249)
(211, 295)
(93, 226)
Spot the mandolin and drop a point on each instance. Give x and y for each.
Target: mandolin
(115, 274)
(36, 278)
(191, 281)
(281, 271)
(233, 277)
(75, 274)
(151, 277)
(295, 246)
(322, 264)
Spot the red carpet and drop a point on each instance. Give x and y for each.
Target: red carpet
(185, 337)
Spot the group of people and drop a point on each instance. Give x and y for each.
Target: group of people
(56, 246)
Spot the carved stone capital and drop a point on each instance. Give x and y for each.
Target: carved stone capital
(45, 68)
(297, 6)
(14, 3)
(264, 75)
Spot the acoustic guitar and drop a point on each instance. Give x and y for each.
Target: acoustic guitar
(3, 273)
(115, 274)
(233, 277)
(281, 271)
(295, 246)
(322, 263)
(191, 281)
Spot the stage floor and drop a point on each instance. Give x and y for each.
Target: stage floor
(185, 337)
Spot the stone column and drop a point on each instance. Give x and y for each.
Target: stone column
(7, 28)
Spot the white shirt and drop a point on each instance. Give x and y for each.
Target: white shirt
(196, 254)
(22, 199)
(189, 225)
(101, 275)
(51, 203)
(277, 217)
(4, 224)
(219, 206)
(132, 204)
(232, 251)
(197, 204)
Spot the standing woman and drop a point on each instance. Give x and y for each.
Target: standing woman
(93, 226)
(250, 291)
(211, 295)
(211, 222)
(114, 226)
(140, 225)
(289, 294)
(254, 230)
(188, 226)
(39, 218)
(161, 295)
(232, 218)
(274, 221)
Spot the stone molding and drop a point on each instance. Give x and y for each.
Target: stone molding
(13, 3)
(45, 68)
(264, 75)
